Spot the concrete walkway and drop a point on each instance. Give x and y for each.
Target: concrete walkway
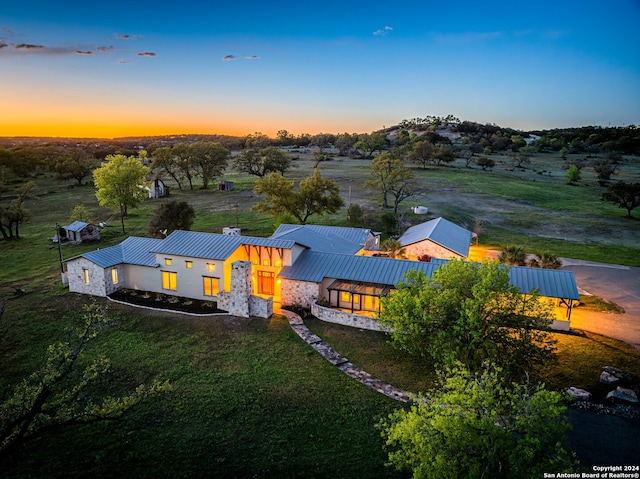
(339, 361)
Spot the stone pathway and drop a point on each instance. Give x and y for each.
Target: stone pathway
(339, 361)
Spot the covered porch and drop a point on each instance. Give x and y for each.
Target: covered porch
(357, 296)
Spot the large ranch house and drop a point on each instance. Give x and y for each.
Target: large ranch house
(337, 272)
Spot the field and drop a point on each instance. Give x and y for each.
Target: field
(249, 398)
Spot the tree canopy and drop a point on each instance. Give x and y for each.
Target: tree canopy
(625, 195)
(469, 313)
(262, 162)
(120, 183)
(392, 177)
(473, 426)
(315, 196)
(170, 216)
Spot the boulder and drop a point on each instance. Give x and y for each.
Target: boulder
(618, 373)
(623, 394)
(608, 378)
(579, 394)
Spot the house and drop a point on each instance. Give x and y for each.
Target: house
(157, 188)
(320, 267)
(80, 231)
(438, 238)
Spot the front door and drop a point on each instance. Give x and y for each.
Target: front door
(265, 282)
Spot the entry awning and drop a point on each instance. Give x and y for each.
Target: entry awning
(360, 287)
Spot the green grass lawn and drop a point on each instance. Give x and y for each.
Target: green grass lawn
(249, 398)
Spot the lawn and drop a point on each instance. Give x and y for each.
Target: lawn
(249, 398)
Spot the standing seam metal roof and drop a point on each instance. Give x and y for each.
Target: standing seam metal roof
(133, 250)
(442, 232)
(314, 267)
(212, 245)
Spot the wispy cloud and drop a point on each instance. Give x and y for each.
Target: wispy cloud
(126, 36)
(228, 58)
(466, 37)
(146, 54)
(105, 49)
(7, 30)
(3, 45)
(383, 31)
(29, 46)
(80, 52)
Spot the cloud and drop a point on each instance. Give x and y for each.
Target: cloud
(29, 46)
(122, 62)
(146, 54)
(105, 49)
(3, 45)
(228, 58)
(80, 52)
(126, 36)
(383, 31)
(466, 37)
(6, 29)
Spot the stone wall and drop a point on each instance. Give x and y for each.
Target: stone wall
(430, 248)
(260, 307)
(298, 293)
(343, 317)
(97, 277)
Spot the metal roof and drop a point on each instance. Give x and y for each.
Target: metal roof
(553, 283)
(76, 226)
(314, 267)
(212, 245)
(324, 243)
(133, 250)
(354, 235)
(440, 231)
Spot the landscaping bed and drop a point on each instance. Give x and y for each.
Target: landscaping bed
(166, 301)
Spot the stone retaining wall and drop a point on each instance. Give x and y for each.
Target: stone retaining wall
(343, 317)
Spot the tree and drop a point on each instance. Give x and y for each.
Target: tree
(80, 212)
(370, 143)
(76, 165)
(484, 163)
(355, 216)
(315, 195)
(120, 183)
(59, 392)
(393, 248)
(164, 159)
(14, 214)
(625, 195)
(391, 177)
(344, 143)
(421, 153)
(469, 313)
(513, 255)
(443, 154)
(257, 141)
(322, 140)
(604, 168)
(573, 175)
(474, 426)
(545, 260)
(209, 160)
(262, 162)
(170, 216)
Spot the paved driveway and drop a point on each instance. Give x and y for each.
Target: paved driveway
(616, 284)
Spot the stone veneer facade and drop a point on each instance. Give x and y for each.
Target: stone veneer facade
(100, 279)
(343, 317)
(299, 293)
(239, 300)
(429, 248)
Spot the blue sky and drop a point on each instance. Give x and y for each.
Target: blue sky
(134, 68)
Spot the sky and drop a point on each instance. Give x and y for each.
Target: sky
(132, 68)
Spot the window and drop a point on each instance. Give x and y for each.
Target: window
(169, 280)
(210, 285)
(114, 276)
(188, 264)
(211, 267)
(266, 262)
(85, 275)
(347, 297)
(167, 261)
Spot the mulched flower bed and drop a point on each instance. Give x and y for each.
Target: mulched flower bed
(165, 301)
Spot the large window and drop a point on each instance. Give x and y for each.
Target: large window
(265, 282)
(114, 276)
(169, 280)
(210, 285)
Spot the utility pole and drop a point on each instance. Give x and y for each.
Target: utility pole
(59, 247)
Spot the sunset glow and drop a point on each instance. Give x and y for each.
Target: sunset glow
(240, 68)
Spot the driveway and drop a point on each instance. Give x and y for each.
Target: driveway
(616, 284)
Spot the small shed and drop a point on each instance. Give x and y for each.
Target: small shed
(157, 189)
(80, 231)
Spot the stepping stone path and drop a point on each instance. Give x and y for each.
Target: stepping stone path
(342, 363)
